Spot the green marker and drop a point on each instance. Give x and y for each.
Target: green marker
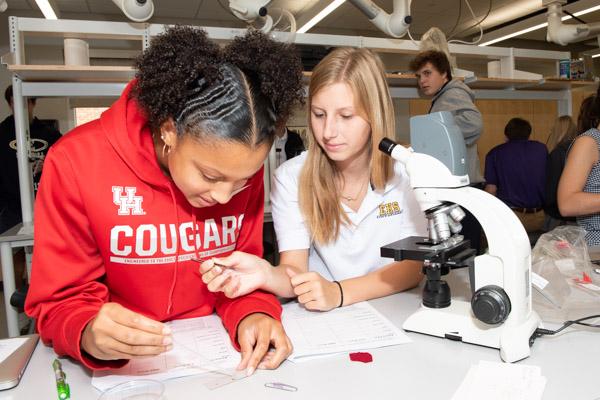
(62, 387)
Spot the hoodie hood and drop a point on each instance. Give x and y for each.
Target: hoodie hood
(136, 148)
(454, 84)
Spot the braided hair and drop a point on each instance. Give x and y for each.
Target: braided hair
(243, 92)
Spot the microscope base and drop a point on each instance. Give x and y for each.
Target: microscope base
(458, 323)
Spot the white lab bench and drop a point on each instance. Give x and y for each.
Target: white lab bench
(428, 368)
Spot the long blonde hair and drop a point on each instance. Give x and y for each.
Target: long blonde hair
(564, 129)
(319, 197)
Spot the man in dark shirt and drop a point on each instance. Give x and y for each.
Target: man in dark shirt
(42, 135)
(515, 172)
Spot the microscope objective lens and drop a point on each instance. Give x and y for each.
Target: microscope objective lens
(432, 232)
(440, 221)
(457, 213)
(455, 227)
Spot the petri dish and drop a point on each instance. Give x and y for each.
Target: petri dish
(139, 389)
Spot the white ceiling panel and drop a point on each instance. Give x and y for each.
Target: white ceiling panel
(18, 5)
(174, 11)
(72, 6)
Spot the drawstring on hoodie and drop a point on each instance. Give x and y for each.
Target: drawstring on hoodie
(436, 96)
(196, 234)
(176, 267)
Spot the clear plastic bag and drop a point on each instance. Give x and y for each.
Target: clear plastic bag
(565, 286)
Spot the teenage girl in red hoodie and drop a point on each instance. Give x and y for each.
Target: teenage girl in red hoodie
(170, 173)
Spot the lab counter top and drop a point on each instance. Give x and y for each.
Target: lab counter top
(428, 368)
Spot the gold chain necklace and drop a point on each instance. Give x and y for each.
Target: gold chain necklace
(348, 198)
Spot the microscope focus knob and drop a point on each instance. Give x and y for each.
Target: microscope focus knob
(491, 304)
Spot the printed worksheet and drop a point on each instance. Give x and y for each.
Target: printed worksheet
(347, 329)
(501, 381)
(200, 345)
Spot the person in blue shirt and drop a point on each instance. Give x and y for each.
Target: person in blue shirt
(515, 172)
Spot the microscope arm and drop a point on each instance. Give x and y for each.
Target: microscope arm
(507, 262)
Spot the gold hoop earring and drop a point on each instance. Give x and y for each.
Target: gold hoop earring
(167, 149)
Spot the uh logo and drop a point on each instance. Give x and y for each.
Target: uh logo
(128, 202)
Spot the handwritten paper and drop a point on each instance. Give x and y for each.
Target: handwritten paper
(347, 329)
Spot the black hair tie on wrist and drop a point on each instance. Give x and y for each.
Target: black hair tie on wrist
(341, 293)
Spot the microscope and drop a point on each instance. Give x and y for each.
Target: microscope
(500, 313)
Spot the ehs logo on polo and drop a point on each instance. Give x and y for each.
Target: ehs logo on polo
(128, 202)
(389, 209)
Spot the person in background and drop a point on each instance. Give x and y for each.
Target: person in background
(170, 173)
(41, 135)
(335, 205)
(515, 172)
(434, 77)
(579, 186)
(560, 139)
(288, 144)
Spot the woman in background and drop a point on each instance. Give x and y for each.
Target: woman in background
(579, 186)
(561, 137)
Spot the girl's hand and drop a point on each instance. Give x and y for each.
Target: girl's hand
(315, 292)
(235, 275)
(118, 333)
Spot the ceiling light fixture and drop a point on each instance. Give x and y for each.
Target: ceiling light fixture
(46, 9)
(539, 26)
(317, 18)
(518, 33)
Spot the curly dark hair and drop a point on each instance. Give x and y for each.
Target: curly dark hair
(437, 58)
(168, 67)
(244, 92)
(275, 65)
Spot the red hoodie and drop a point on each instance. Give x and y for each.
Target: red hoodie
(110, 226)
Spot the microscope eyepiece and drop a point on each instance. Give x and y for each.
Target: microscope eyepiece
(387, 145)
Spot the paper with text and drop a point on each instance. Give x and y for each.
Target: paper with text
(501, 381)
(199, 345)
(347, 329)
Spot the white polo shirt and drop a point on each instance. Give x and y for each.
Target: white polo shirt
(382, 218)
